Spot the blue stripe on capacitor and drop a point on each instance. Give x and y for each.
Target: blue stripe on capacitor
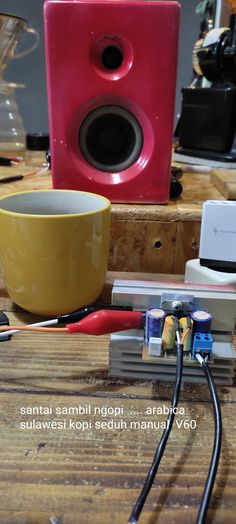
(201, 321)
(154, 323)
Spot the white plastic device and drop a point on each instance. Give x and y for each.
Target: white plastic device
(218, 235)
(195, 273)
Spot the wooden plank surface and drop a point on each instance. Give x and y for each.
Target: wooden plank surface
(146, 246)
(95, 475)
(197, 187)
(232, 4)
(225, 181)
(79, 474)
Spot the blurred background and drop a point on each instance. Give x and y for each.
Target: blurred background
(30, 70)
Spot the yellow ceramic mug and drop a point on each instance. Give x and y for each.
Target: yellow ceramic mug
(54, 248)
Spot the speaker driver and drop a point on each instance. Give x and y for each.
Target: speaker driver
(110, 138)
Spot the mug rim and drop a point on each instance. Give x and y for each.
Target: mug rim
(107, 204)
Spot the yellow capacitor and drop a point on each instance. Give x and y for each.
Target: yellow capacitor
(186, 325)
(168, 333)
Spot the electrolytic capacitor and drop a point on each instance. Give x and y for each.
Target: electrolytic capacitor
(154, 323)
(201, 321)
(168, 334)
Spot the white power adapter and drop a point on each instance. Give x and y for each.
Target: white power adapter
(218, 235)
(217, 252)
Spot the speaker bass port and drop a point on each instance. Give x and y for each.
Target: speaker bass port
(112, 57)
(110, 138)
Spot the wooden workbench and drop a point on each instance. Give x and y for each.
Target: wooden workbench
(76, 476)
(161, 238)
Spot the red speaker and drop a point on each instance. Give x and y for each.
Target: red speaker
(111, 72)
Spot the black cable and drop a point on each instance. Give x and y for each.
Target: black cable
(216, 446)
(162, 444)
(13, 178)
(5, 161)
(75, 316)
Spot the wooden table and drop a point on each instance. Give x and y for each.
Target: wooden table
(93, 475)
(161, 238)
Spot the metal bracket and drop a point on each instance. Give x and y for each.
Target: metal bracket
(174, 302)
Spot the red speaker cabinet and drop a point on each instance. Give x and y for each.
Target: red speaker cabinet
(111, 73)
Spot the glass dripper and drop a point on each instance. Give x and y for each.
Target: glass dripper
(11, 28)
(12, 132)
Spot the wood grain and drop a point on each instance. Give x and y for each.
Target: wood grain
(232, 4)
(76, 475)
(186, 245)
(225, 181)
(143, 245)
(96, 476)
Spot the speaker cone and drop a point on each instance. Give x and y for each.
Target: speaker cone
(110, 138)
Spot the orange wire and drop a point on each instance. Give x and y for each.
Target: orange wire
(30, 174)
(39, 171)
(34, 328)
(185, 334)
